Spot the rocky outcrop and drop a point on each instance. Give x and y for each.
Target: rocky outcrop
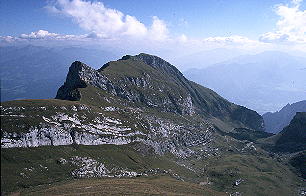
(79, 76)
(79, 124)
(62, 129)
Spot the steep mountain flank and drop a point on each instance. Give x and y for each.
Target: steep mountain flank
(275, 122)
(293, 137)
(291, 142)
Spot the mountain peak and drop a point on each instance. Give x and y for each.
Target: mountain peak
(152, 61)
(126, 57)
(157, 62)
(78, 66)
(154, 83)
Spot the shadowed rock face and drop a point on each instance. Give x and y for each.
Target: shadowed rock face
(293, 137)
(79, 76)
(154, 82)
(275, 122)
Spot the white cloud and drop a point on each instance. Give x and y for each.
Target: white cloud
(158, 29)
(8, 39)
(96, 18)
(292, 24)
(46, 35)
(41, 34)
(133, 27)
(230, 39)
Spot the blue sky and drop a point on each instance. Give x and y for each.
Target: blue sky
(193, 18)
(25, 16)
(196, 25)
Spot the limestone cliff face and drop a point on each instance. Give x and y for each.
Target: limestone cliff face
(42, 123)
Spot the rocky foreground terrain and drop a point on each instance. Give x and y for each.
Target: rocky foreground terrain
(139, 118)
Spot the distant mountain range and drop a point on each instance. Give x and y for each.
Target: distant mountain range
(275, 122)
(37, 72)
(263, 82)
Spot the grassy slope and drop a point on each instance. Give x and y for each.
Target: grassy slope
(257, 169)
(262, 175)
(32, 111)
(43, 161)
(158, 185)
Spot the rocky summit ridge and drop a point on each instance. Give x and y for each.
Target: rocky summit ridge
(158, 84)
